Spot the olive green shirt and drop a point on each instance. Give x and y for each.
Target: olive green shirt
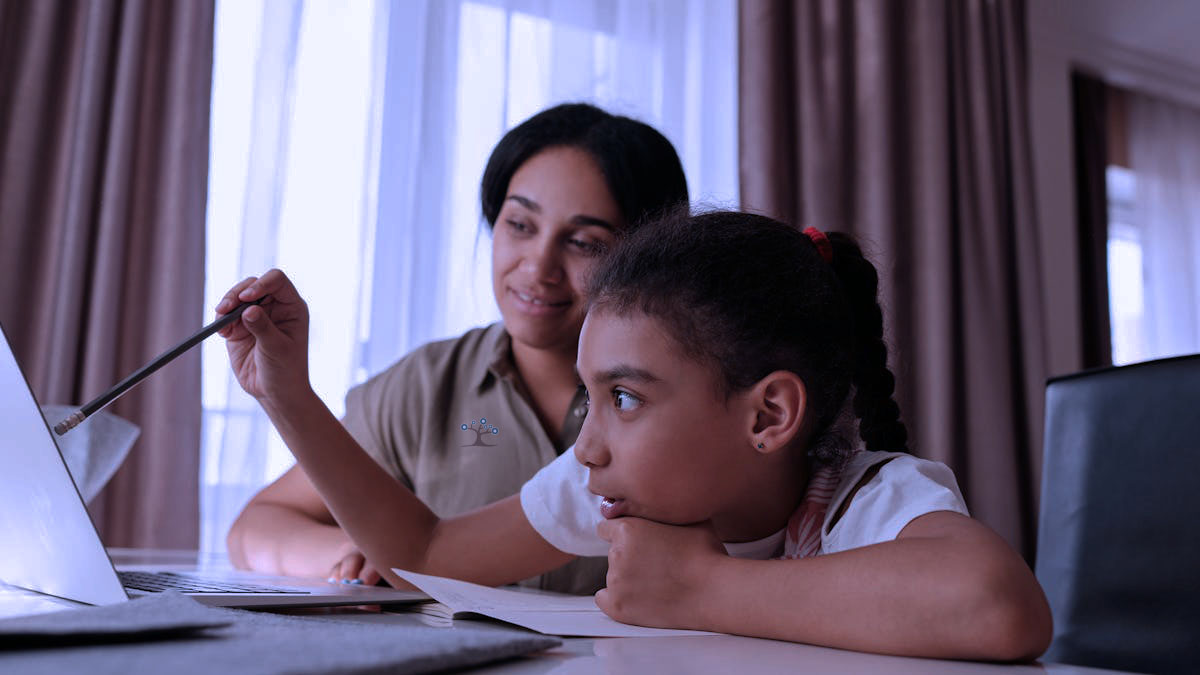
(450, 421)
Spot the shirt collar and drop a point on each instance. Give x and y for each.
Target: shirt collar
(498, 359)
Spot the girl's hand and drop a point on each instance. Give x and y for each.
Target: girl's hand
(658, 574)
(268, 345)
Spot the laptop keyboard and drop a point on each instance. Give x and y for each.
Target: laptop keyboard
(156, 582)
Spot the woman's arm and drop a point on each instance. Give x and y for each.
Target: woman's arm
(946, 587)
(287, 529)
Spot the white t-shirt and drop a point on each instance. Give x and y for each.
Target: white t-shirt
(558, 505)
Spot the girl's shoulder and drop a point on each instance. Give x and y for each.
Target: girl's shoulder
(881, 492)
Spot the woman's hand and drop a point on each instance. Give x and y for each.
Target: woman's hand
(268, 345)
(353, 568)
(658, 574)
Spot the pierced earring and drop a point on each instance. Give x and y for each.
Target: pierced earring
(760, 446)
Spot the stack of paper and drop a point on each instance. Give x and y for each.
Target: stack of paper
(549, 613)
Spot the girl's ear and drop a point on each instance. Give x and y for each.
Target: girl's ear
(778, 403)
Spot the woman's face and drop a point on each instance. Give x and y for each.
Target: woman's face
(557, 219)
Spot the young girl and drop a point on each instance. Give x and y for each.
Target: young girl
(732, 364)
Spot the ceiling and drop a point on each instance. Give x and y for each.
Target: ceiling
(1166, 29)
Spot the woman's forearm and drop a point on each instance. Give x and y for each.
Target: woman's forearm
(278, 539)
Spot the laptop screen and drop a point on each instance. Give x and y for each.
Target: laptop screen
(47, 540)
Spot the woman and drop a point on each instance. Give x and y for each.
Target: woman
(465, 422)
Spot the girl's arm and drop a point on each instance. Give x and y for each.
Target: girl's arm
(946, 587)
(268, 350)
(492, 545)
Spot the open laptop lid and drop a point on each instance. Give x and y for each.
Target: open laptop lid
(47, 539)
(49, 544)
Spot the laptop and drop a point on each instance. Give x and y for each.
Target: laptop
(49, 544)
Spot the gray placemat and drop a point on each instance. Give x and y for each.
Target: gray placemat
(155, 617)
(254, 642)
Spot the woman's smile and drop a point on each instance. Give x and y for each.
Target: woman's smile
(537, 304)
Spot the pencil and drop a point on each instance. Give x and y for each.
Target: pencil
(74, 419)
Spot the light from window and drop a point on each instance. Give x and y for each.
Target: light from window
(318, 240)
(1126, 288)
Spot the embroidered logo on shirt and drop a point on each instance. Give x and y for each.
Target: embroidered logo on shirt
(481, 429)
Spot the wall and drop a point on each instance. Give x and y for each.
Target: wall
(1149, 46)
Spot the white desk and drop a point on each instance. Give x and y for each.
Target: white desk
(582, 656)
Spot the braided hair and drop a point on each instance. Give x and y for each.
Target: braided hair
(874, 384)
(749, 295)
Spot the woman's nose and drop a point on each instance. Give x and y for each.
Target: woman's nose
(543, 262)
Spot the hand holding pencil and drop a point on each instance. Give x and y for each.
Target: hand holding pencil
(120, 388)
(265, 324)
(268, 347)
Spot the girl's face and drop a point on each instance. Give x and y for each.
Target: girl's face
(557, 219)
(660, 440)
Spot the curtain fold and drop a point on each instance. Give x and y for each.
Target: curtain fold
(104, 134)
(905, 124)
(1089, 98)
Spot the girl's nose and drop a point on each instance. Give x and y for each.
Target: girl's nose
(590, 450)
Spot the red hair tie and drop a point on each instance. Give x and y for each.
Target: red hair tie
(822, 243)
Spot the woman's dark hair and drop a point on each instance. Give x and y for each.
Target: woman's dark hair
(639, 164)
(750, 295)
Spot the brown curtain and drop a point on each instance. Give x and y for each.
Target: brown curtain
(905, 124)
(1089, 98)
(104, 137)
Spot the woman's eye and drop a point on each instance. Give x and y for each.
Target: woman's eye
(591, 248)
(625, 401)
(518, 225)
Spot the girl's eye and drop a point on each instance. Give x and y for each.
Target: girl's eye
(625, 401)
(518, 226)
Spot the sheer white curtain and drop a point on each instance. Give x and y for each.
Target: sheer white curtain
(348, 143)
(293, 146)
(1164, 156)
(462, 72)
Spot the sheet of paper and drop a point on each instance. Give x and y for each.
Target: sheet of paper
(550, 613)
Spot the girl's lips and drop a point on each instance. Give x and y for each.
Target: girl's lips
(611, 507)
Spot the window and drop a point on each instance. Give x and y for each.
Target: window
(1154, 228)
(1126, 292)
(347, 144)
(289, 156)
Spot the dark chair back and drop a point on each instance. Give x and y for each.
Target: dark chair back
(1119, 535)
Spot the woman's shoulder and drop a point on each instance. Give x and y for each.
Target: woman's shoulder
(439, 363)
